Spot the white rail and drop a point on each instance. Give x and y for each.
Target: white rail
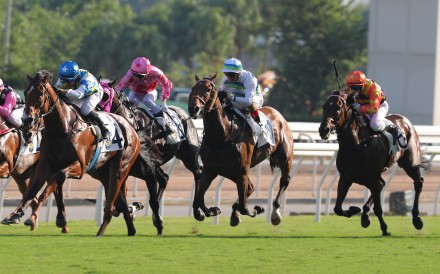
(324, 152)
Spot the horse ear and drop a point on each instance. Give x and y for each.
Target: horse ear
(29, 77)
(99, 78)
(336, 92)
(112, 84)
(196, 77)
(214, 76)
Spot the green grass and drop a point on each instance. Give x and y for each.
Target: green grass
(297, 245)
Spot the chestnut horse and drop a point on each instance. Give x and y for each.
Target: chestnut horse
(364, 155)
(68, 148)
(186, 150)
(14, 161)
(228, 150)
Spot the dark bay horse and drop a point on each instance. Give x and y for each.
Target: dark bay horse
(228, 150)
(186, 150)
(363, 156)
(68, 148)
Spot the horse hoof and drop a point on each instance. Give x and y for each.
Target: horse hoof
(13, 220)
(199, 215)
(384, 233)
(259, 209)
(65, 230)
(61, 222)
(157, 222)
(214, 211)
(235, 220)
(275, 218)
(354, 210)
(365, 221)
(418, 223)
(31, 223)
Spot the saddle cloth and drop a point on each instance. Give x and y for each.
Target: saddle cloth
(114, 142)
(173, 122)
(177, 132)
(266, 135)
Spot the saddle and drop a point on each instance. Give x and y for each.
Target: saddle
(368, 134)
(265, 134)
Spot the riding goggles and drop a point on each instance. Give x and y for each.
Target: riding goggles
(232, 74)
(356, 88)
(139, 75)
(66, 80)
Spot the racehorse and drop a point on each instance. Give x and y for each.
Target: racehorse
(363, 156)
(68, 150)
(15, 160)
(228, 150)
(187, 150)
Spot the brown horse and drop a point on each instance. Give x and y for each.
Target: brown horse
(186, 150)
(363, 156)
(14, 162)
(68, 148)
(228, 150)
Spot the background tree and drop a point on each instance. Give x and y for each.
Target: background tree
(313, 33)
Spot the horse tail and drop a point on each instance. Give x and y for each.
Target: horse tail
(426, 164)
(149, 151)
(273, 165)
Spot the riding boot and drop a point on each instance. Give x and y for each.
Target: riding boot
(398, 135)
(256, 117)
(95, 118)
(159, 120)
(256, 128)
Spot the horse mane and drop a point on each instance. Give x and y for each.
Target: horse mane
(43, 76)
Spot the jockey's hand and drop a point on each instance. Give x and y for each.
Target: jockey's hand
(229, 97)
(62, 91)
(164, 106)
(357, 107)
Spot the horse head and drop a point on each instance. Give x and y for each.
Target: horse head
(336, 111)
(37, 101)
(202, 97)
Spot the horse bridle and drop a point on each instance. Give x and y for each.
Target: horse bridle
(212, 89)
(343, 126)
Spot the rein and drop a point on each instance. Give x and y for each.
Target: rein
(205, 104)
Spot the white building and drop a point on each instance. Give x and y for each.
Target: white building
(403, 47)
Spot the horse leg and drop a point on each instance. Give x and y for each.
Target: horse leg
(32, 222)
(275, 217)
(199, 208)
(365, 218)
(154, 202)
(245, 189)
(22, 187)
(416, 174)
(343, 187)
(31, 192)
(162, 179)
(117, 178)
(375, 192)
(121, 201)
(235, 215)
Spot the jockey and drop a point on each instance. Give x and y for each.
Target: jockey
(83, 90)
(9, 109)
(371, 101)
(242, 92)
(142, 79)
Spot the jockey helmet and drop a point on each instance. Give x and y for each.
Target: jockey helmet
(1, 85)
(68, 72)
(140, 67)
(355, 78)
(232, 65)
